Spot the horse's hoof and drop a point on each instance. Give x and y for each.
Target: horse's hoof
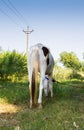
(40, 106)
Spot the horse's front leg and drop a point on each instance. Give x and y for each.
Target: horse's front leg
(51, 86)
(42, 77)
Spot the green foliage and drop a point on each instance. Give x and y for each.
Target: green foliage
(64, 74)
(82, 68)
(13, 66)
(70, 60)
(61, 74)
(12, 63)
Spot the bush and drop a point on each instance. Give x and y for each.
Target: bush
(61, 74)
(12, 64)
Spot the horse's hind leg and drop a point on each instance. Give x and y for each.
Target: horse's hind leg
(40, 94)
(42, 76)
(31, 105)
(30, 89)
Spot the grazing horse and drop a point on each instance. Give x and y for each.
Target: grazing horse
(40, 60)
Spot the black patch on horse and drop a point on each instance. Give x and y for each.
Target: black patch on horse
(48, 61)
(45, 51)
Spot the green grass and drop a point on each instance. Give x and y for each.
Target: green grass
(65, 111)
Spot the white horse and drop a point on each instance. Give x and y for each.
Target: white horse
(40, 60)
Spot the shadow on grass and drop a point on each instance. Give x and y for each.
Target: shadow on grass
(14, 98)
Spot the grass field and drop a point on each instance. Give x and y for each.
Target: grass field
(65, 111)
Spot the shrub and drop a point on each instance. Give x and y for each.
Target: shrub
(12, 64)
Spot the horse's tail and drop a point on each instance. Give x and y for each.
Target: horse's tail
(34, 84)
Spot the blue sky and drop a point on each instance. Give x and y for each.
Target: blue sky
(58, 24)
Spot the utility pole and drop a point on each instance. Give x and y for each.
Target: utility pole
(27, 32)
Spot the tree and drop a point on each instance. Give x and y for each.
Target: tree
(70, 60)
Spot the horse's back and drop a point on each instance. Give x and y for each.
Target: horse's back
(38, 55)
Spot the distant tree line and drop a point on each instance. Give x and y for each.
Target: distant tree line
(70, 60)
(14, 64)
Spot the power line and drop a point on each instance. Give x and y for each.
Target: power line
(9, 7)
(19, 14)
(8, 16)
(13, 10)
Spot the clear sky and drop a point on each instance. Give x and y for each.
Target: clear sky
(58, 24)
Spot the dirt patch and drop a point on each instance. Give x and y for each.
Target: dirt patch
(8, 108)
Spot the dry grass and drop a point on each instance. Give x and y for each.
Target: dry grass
(8, 108)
